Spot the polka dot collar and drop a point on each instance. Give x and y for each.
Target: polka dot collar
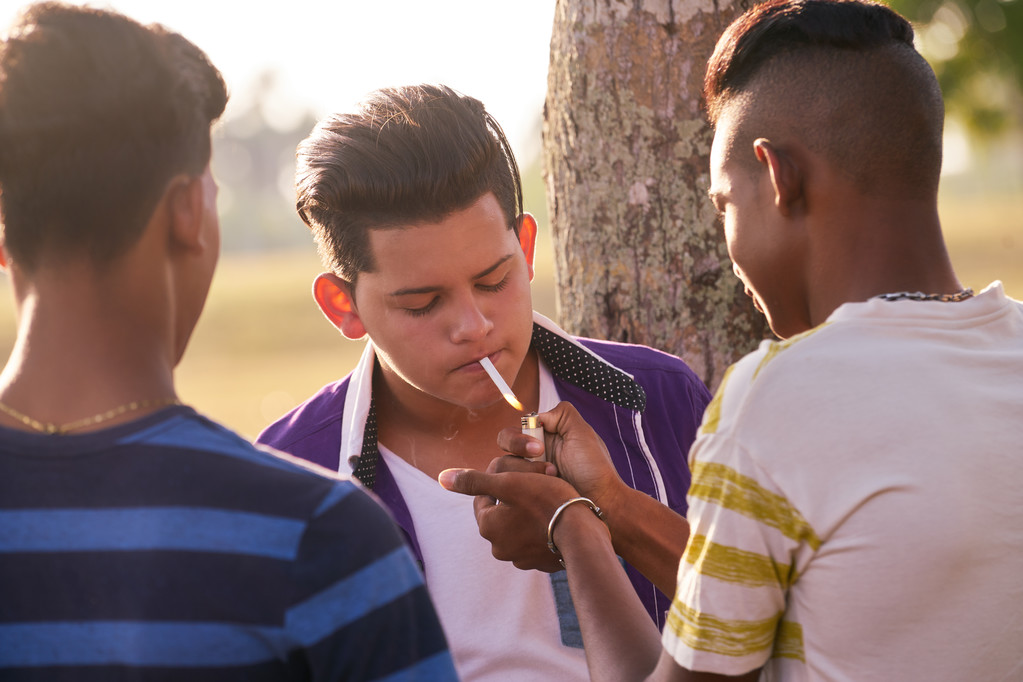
(578, 366)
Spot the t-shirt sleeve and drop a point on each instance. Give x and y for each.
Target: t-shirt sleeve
(361, 610)
(728, 614)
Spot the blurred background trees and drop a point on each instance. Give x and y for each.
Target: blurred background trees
(254, 163)
(976, 49)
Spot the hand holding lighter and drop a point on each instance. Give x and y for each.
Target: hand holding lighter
(531, 427)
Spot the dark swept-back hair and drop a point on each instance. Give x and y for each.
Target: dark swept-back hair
(407, 155)
(97, 114)
(775, 27)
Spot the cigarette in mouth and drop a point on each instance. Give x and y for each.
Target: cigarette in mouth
(502, 386)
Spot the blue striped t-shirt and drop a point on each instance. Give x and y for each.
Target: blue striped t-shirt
(170, 548)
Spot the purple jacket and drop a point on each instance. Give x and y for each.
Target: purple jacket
(646, 405)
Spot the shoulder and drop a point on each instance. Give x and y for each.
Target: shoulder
(196, 435)
(194, 462)
(653, 369)
(780, 384)
(317, 417)
(777, 361)
(295, 487)
(635, 358)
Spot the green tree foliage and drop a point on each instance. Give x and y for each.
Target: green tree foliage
(976, 50)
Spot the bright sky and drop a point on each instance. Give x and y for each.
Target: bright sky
(329, 53)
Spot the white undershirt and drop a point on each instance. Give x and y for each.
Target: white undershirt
(501, 622)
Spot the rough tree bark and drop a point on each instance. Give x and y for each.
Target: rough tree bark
(639, 252)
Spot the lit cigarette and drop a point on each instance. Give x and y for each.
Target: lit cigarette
(501, 385)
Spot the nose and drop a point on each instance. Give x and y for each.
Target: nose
(470, 322)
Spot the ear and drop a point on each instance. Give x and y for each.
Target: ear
(335, 298)
(527, 239)
(185, 199)
(786, 176)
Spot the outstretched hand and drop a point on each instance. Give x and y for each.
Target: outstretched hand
(529, 491)
(513, 503)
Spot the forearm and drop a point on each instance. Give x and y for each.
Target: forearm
(621, 641)
(649, 535)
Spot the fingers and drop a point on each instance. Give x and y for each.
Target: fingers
(514, 487)
(516, 526)
(512, 483)
(515, 442)
(563, 419)
(515, 463)
(562, 423)
(481, 503)
(467, 482)
(473, 482)
(470, 482)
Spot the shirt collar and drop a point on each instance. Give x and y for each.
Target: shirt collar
(567, 359)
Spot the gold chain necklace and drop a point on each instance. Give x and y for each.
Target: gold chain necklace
(61, 429)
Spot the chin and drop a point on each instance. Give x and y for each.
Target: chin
(481, 402)
(466, 400)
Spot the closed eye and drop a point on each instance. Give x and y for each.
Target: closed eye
(493, 288)
(423, 310)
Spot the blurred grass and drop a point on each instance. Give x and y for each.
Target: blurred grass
(262, 345)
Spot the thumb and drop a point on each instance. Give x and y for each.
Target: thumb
(465, 481)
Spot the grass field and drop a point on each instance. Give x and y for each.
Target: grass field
(262, 346)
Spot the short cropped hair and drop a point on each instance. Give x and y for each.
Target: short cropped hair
(97, 114)
(845, 75)
(407, 155)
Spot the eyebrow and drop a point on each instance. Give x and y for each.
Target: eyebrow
(430, 289)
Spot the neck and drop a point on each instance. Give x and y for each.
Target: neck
(896, 247)
(84, 347)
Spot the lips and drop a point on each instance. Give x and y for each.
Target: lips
(475, 362)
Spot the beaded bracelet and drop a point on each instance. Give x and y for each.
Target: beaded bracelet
(557, 513)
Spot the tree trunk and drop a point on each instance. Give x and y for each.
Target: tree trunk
(639, 252)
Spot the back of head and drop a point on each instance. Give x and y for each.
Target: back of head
(97, 114)
(842, 76)
(407, 155)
